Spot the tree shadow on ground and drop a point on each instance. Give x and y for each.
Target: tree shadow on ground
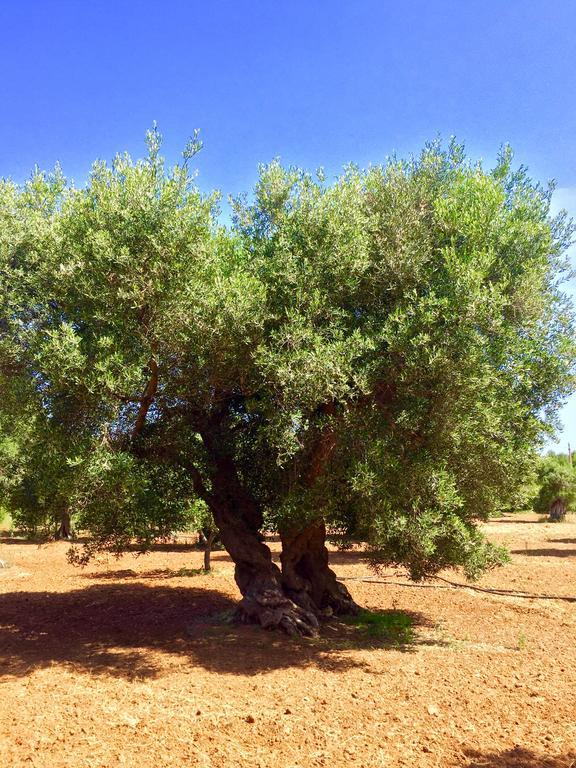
(516, 520)
(186, 544)
(552, 552)
(517, 757)
(24, 541)
(562, 541)
(132, 630)
(152, 574)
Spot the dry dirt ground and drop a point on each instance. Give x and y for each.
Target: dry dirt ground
(133, 663)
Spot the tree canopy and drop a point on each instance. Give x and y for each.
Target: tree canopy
(557, 486)
(378, 355)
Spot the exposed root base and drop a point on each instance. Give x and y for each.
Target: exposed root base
(294, 613)
(336, 601)
(341, 601)
(275, 611)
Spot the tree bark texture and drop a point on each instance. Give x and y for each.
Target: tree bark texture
(306, 576)
(259, 580)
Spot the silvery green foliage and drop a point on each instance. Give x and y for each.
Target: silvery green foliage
(556, 478)
(384, 350)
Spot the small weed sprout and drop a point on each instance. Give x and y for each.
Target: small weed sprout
(522, 641)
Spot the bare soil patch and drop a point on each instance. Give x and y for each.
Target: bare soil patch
(133, 662)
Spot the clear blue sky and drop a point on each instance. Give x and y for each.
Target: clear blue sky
(316, 82)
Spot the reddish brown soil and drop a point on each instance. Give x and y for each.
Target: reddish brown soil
(128, 663)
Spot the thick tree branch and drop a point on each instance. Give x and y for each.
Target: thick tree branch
(382, 396)
(324, 445)
(147, 398)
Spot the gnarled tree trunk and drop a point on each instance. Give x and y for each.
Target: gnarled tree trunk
(557, 511)
(306, 575)
(64, 530)
(295, 597)
(239, 520)
(259, 580)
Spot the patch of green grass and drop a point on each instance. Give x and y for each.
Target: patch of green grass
(192, 572)
(386, 626)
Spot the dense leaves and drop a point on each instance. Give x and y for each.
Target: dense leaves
(383, 352)
(557, 486)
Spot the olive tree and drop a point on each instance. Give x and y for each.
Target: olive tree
(557, 492)
(376, 356)
(39, 500)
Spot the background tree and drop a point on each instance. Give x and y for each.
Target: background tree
(203, 523)
(40, 499)
(557, 481)
(378, 355)
(9, 454)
